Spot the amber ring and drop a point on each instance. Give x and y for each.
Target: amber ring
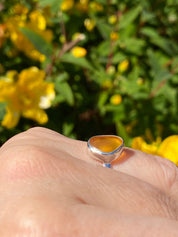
(105, 148)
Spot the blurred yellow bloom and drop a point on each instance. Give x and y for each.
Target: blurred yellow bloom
(79, 52)
(27, 95)
(89, 24)
(111, 70)
(66, 5)
(140, 144)
(140, 81)
(84, 1)
(114, 36)
(78, 35)
(62, 39)
(95, 6)
(82, 5)
(36, 22)
(112, 19)
(116, 99)
(107, 84)
(169, 148)
(19, 9)
(38, 19)
(123, 66)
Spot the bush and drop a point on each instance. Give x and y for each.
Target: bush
(89, 67)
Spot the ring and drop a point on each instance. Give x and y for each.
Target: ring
(105, 148)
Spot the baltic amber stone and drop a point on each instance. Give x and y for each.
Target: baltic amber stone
(106, 144)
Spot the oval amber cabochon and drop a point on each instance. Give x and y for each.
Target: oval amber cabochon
(106, 143)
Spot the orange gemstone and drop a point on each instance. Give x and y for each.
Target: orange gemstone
(106, 143)
(105, 148)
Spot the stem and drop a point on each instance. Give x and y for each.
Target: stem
(160, 85)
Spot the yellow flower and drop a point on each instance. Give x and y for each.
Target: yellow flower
(112, 19)
(95, 7)
(89, 24)
(139, 144)
(123, 66)
(107, 84)
(169, 148)
(82, 5)
(140, 81)
(79, 52)
(66, 5)
(38, 19)
(26, 94)
(62, 39)
(114, 36)
(111, 70)
(116, 99)
(78, 35)
(20, 9)
(36, 22)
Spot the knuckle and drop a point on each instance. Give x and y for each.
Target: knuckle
(23, 162)
(33, 161)
(169, 172)
(36, 130)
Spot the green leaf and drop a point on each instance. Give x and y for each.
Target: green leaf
(102, 100)
(134, 45)
(82, 62)
(67, 128)
(54, 4)
(40, 43)
(65, 90)
(2, 110)
(163, 43)
(103, 28)
(149, 32)
(104, 48)
(129, 17)
(118, 57)
(158, 72)
(122, 132)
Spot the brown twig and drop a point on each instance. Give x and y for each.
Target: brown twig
(65, 48)
(70, 45)
(160, 85)
(62, 25)
(110, 56)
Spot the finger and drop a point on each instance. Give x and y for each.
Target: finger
(155, 170)
(32, 170)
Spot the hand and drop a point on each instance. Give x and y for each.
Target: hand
(50, 187)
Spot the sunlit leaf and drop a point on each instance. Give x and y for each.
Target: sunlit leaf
(83, 62)
(129, 17)
(65, 90)
(2, 110)
(40, 43)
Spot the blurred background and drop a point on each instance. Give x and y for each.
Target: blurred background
(88, 67)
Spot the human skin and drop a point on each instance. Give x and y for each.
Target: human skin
(51, 187)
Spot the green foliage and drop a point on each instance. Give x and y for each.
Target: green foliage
(2, 110)
(40, 44)
(147, 39)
